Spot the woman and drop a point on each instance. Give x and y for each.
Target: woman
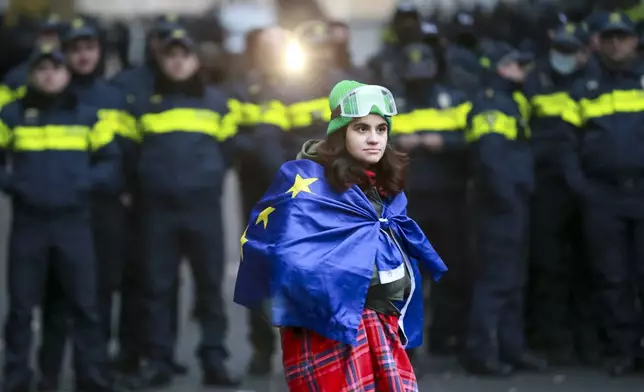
(312, 244)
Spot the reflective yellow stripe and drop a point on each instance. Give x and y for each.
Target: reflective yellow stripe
(52, 137)
(460, 112)
(618, 101)
(402, 124)
(303, 114)
(559, 105)
(251, 114)
(20, 92)
(129, 129)
(551, 105)
(526, 111)
(524, 106)
(492, 122)
(235, 108)
(431, 119)
(6, 95)
(230, 121)
(273, 112)
(276, 113)
(204, 121)
(5, 135)
(572, 115)
(121, 122)
(102, 134)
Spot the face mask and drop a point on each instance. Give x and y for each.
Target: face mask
(565, 64)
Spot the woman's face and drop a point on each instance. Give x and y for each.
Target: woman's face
(366, 139)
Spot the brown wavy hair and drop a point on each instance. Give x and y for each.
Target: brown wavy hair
(342, 171)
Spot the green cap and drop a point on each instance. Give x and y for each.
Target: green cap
(337, 93)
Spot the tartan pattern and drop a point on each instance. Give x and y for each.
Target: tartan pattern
(378, 363)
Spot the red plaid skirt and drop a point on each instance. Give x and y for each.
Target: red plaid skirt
(379, 362)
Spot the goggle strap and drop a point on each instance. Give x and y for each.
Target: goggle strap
(337, 112)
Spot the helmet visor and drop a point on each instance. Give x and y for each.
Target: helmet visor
(359, 102)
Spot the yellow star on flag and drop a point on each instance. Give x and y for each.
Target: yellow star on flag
(263, 216)
(301, 185)
(243, 240)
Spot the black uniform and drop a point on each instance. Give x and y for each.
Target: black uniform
(51, 227)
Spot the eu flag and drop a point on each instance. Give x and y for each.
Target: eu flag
(311, 250)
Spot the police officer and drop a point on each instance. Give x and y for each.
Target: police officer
(14, 83)
(83, 51)
(184, 152)
(133, 83)
(556, 243)
(503, 181)
(611, 157)
(431, 129)
(260, 154)
(51, 229)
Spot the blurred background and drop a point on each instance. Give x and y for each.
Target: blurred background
(221, 30)
(223, 24)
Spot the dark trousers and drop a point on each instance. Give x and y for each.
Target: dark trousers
(614, 234)
(173, 228)
(561, 300)
(108, 227)
(442, 215)
(56, 324)
(109, 239)
(130, 322)
(61, 243)
(495, 325)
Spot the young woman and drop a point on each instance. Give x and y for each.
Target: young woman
(330, 244)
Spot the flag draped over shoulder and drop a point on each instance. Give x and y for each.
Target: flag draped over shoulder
(312, 250)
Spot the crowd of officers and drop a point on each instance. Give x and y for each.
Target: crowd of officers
(527, 174)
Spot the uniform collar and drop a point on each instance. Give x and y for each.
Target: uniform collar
(39, 100)
(83, 80)
(194, 86)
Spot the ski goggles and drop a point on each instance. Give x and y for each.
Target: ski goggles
(359, 102)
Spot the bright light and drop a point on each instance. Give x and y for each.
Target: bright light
(295, 57)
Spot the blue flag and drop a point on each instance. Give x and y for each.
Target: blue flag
(311, 250)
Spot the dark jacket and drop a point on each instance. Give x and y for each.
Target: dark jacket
(549, 95)
(186, 135)
(499, 132)
(435, 109)
(60, 152)
(611, 117)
